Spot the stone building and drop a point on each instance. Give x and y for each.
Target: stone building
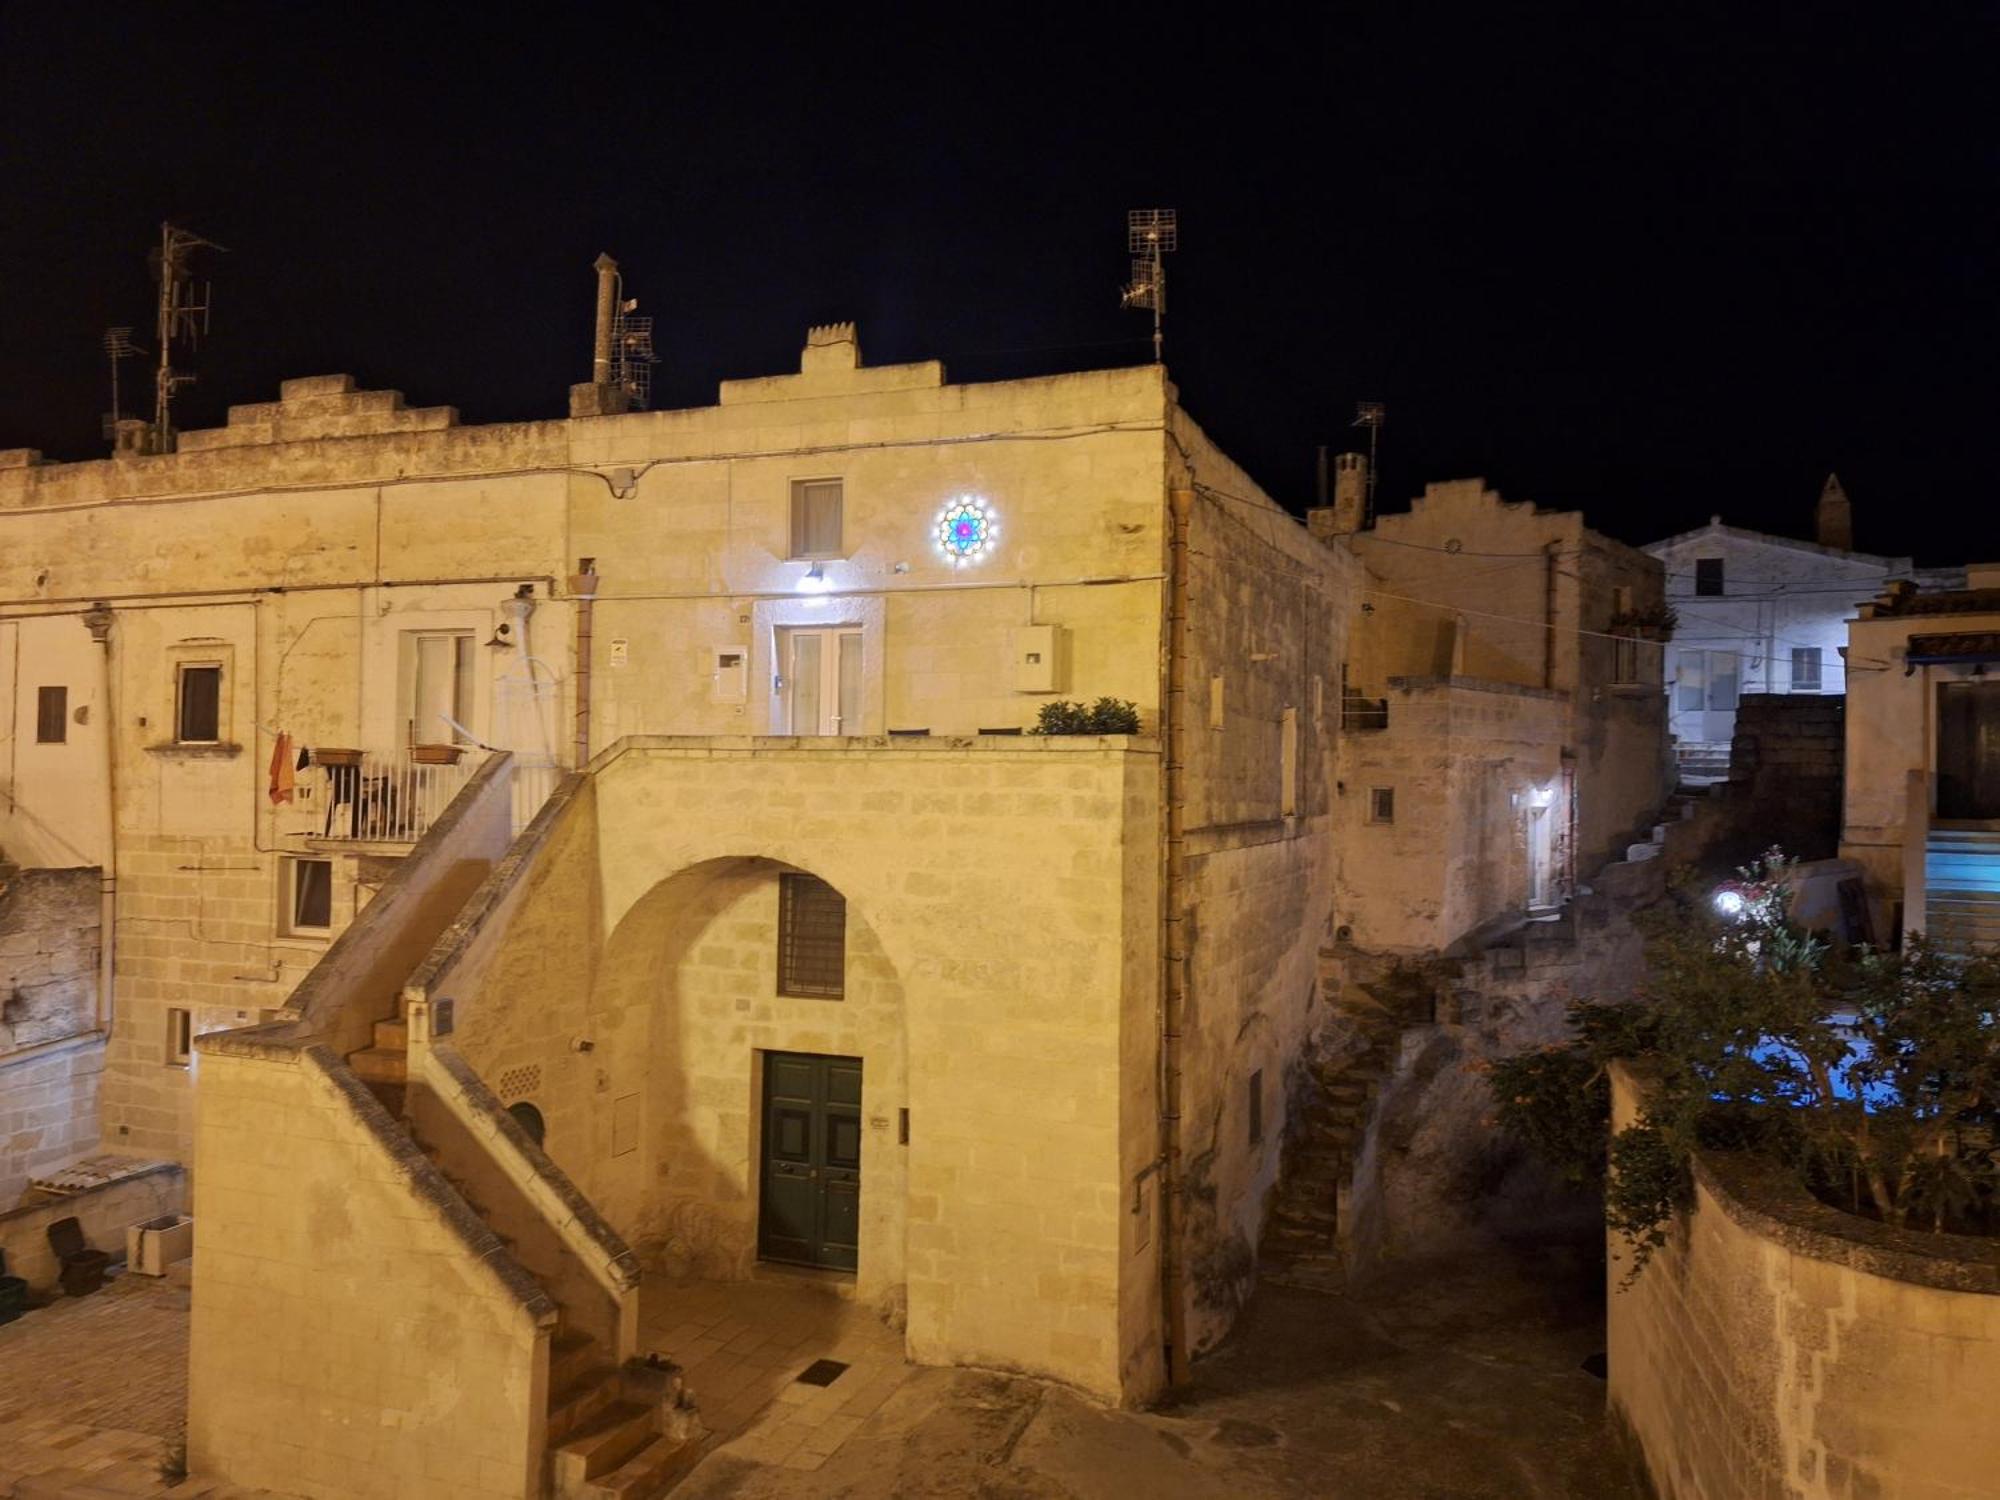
(1921, 805)
(815, 957)
(1501, 703)
(1757, 613)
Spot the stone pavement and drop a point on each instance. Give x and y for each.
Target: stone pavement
(744, 1345)
(93, 1397)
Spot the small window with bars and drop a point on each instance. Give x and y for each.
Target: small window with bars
(812, 938)
(816, 518)
(51, 715)
(1381, 804)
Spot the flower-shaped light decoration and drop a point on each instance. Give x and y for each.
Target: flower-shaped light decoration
(966, 530)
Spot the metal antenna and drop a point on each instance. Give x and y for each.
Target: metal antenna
(1370, 414)
(183, 314)
(632, 356)
(117, 345)
(1149, 234)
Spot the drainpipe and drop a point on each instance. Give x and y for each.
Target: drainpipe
(1173, 987)
(98, 622)
(583, 588)
(1549, 613)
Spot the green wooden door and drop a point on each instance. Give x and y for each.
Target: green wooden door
(810, 1203)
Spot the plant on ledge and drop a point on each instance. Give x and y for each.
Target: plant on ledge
(1874, 1076)
(1652, 622)
(1105, 716)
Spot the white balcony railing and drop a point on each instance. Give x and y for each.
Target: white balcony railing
(389, 799)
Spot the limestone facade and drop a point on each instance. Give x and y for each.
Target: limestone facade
(788, 671)
(1921, 789)
(1502, 717)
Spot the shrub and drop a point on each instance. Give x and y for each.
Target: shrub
(1105, 716)
(1875, 1076)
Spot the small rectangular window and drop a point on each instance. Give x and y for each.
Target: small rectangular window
(1257, 1108)
(812, 938)
(198, 709)
(1805, 669)
(51, 715)
(1708, 575)
(309, 895)
(1288, 764)
(1381, 804)
(180, 1037)
(816, 517)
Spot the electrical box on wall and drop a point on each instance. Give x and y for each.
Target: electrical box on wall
(1041, 658)
(729, 675)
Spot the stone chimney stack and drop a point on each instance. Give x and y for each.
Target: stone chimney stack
(599, 397)
(1835, 519)
(1350, 499)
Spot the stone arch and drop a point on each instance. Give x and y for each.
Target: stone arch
(686, 1008)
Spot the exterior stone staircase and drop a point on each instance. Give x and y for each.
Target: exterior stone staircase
(614, 1432)
(1702, 765)
(1301, 1245)
(385, 1066)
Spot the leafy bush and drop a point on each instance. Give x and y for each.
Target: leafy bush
(1875, 1076)
(1105, 716)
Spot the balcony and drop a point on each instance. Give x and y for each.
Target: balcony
(372, 798)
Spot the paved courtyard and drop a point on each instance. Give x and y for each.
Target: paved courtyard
(1459, 1383)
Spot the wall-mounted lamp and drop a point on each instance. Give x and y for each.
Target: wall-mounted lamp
(813, 580)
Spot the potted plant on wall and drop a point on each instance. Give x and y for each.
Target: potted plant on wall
(436, 755)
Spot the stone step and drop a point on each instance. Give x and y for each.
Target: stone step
(605, 1443)
(650, 1472)
(393, 1035)
(572, 1353)
(573, 1405)
(387, 1064)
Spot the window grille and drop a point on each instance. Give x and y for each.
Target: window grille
(51, 715)
(812, 938)
(816, 517)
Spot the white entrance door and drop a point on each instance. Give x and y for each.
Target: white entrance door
(821, 682)
(1541, 857)
(1705, 688)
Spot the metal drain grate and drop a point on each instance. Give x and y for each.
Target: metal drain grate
(822, 1372)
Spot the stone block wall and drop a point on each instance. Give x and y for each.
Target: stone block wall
(1787, 759)
(49, 929)
(336, 1276)
(1777, 1347)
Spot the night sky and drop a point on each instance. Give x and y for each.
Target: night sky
(1655, 261)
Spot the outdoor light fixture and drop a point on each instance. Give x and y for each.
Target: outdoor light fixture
(1729, 902)
(966, 530)
(813, 581)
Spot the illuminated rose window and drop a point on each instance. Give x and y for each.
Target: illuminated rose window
(966, 531)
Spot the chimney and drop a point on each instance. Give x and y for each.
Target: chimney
(1834, 521)
(1350, 499)
(598, 397)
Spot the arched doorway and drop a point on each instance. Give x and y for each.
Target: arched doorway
(748, 1012)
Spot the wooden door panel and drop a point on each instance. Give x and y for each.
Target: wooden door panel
(809, 1200)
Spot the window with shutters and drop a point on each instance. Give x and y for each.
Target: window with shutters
(198, 703)
(812, 938)
(51, 715)
(816, 518)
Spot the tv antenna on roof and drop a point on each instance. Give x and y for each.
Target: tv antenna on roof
(1149, 234)
(632, 356)
(1370, 414)
(183, 315)
(117, 345)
